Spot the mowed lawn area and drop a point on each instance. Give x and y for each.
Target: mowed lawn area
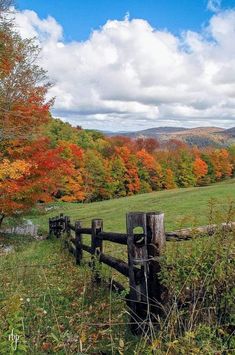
(182, 207)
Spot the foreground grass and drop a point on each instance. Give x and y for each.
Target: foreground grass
(55, 307)
(182, 207)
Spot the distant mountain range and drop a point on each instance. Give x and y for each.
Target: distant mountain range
(230, 131)
(199, 136)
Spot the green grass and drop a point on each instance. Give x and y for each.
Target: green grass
(54, 306)
(51, 304)
(182, 207)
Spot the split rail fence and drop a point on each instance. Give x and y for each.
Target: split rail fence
(145, 239)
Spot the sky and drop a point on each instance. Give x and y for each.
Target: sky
(133, 64)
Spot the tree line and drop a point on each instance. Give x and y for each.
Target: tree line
(111, 167)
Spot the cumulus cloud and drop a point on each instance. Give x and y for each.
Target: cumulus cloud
(214, 5)
(128, 75)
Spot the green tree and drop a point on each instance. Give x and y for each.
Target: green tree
(58, 130)
(185, 176)
(96, 177)
(118, 171)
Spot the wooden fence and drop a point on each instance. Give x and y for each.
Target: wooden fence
(145, 239)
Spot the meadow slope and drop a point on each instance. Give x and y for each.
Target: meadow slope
(182, 207)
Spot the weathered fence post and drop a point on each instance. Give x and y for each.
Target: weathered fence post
(156, 245)
(96, 244)
(138, 259)
(78, 242)
(60, 225)
(56, 226)
(144, 248)
(67, 228)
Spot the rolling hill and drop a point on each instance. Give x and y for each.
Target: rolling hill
(181, 206)
(199, 136)
(230, 132)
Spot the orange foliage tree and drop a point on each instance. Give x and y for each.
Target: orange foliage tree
(221, 162)
(32, 173)
(29, 169)
(168, 180)
(200, 169)
(73, 186)
(131, 177)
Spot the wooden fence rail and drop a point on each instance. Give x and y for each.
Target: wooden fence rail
(145, 240)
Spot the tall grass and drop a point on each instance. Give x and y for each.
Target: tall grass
(55, 307)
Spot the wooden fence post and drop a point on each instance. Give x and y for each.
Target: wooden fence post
(78, 242)
(56, 226)
(53, 226)
(96, 244)
(60, 225)
(156, 245)
(67, 228)
(137, 299)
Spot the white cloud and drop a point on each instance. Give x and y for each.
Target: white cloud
(128, 75)
(214, 5)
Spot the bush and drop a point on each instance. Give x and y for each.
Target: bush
(199, 276)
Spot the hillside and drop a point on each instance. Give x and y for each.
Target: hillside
(230, 132)
(151, 132)
(200, 136)
(181, 207)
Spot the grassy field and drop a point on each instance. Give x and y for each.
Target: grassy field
(50, 303)
(55, 307)
(182, 207)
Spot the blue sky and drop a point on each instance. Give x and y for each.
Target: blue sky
(80, 17)
(169, 63)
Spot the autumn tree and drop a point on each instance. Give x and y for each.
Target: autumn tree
(96, 177)
(33, 173)
(210, 176)
(131, 178)
(30, 169)
(200, 169)
(57, 130)
(117, 172)
(72, 189)
(184, 173)
(150, 172)
(148, 144)
(168, 181)
(220, 160)
(22, 93)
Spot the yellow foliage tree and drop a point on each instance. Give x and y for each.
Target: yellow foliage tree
(13, 170)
